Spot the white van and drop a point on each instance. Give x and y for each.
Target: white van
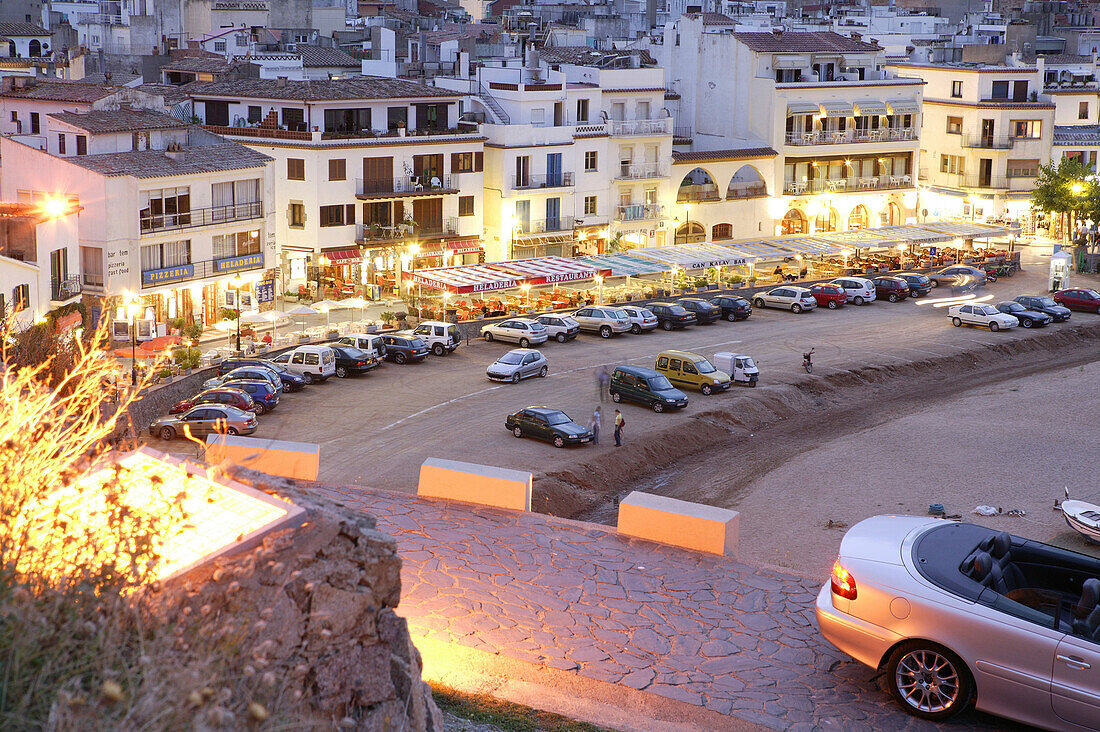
(369, 342)
(312, 363)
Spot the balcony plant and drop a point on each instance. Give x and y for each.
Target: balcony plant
(176, 325)
(192, 332)
(388, 318)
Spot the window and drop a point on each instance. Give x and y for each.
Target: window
(255, 113)
(35, 123)
(347, 120)
(957, 89)
(81, 145)
(338, 215)
(293, 118)
(337, 169)
(1000, 90)
(20, 298)
(1023, 168)
(589, 205)
(91, 265)
(219, 46)
(590, 161)
(1083, 110)
(462, 162)
(721, 231)
(61, 144)
(165, 208)
(951, 164)
(295, 169)
(582, 110)
(465, 205)
(236, 245)
(296, 215)
(397, 117)
(954, 125)
(165, 255)
(1026, 128)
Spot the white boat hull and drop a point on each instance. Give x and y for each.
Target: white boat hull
(1083, 518)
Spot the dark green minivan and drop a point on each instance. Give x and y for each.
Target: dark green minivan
(645, 386)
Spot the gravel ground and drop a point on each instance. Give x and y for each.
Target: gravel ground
(454, 723)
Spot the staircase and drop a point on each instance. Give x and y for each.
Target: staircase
(490, 101)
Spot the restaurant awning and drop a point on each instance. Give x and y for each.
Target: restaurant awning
(463, 246)
(904, 106)
(837, 108)
(548, 270)
(696, 256)
(625, 265)
(343, 256)
(870, 108)
(802, 108)
(505, 275)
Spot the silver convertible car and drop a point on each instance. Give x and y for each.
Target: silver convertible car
(955, 613)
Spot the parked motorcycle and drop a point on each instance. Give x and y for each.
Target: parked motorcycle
(808, 361)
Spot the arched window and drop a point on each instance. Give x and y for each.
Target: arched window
(721, 231)
(35, 47)
(826, 220)
(746, 183)
(691, 233)
(859, 218)
(794, 222)
(891, 215)
(697, 185)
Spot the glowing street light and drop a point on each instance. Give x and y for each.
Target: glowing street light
(133, 306)
(235, 284)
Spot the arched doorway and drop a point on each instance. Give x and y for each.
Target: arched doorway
(698, 185)
(746, 183)
(859, 217)
(721, 231)
(794, 222)
(691, 233)
(826, 220)
(35, 47)
(891, 216)
(12, 52)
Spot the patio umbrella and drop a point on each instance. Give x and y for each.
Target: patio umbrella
(357, 302)
(325, 306)
(274, 316)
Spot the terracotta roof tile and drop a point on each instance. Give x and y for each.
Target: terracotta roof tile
(62, 91)
(121, 120)
(359, 87)
(318, 56)
(157, 164)
(737, 154)
(801, 42)
(14, 30)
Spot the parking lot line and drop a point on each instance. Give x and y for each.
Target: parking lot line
(442, 404)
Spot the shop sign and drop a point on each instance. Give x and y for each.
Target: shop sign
(157, 276)
(568, 276)
(735, 261)
(248, 261)
(498, 285)
(265, 291)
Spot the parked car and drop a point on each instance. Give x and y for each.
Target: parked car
(1027, 318)
(603, 320)
(858, 289)
(795, 299)
(645, 386)
(954, 613)
(519, 363)
(919, 285)
(312, 363)
(641, 319)
(403, 349)
(671, 315)
(369, 342)
(1079, 298)
(561, 328)
(219, 395)
(203, 420)
(1044, 304)
(705, 311)
(958, 275)
(549, 424)
(442, 338)
(891, 288)
(985, 316)
(684, 368)
(524, 331)
(290, 381)
(243, 373)
(829, 295)
(264, 396)
(733, 307)
(351, 360)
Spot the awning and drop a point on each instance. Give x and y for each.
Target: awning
(463, 246)
(296, 248)
(870, 108)
(904, 106)
(548, 270)
(343, 256)
(802, 108)
(837, 108)
(625, 265)
(696, 256)
(465, 278)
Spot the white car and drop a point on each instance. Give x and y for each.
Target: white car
(441, 337)
(312, 363)
(641, 319)
(603, 320)
(523, 331)
(858, 289)
(795, 299)
(561, 328)
(954, 613)
(986, 316)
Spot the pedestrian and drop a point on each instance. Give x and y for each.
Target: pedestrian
(619, 422)
(603, 379)
(594, 425)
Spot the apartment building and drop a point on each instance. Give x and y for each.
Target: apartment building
(986, 129)
(845, 130)
(25, 102)
(171, 215)
(39, 258)
(1071, 83)
(376, 175)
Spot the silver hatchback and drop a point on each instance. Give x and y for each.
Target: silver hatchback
(795, 299)
(519, 363)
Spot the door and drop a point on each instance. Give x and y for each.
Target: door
(553, 169)
(529, 369)
(428, 215)
(199, 421)
(559, 114)
(378, 176)
(297, 363)
(428, 170)
(540, 427)
(553, 214)
(523, 171)
(523, 217)
(985, 172)
(987, 133)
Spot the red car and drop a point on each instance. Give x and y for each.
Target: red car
(829, 295)
(891, 288)
(1079, 298)
(218, 395)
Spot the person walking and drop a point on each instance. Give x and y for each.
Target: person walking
(603, 379)
(594, 425)
(619, 422)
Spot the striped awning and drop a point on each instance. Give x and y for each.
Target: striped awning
(803, 108)
(625, 265)
(696, 256)
(343, 256)
(837, 108)
(505, 275)
(870, 108)
(904, 106)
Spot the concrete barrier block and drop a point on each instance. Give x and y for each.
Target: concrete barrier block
(680, 523)
(473, 483)
(300, 460)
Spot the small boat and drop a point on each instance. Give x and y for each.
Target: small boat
(1084, 518)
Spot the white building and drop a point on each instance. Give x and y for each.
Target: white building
(25, 102)
(39, 259)
(24, 40)
(376, 176)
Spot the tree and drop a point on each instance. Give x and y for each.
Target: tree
(1065, 188)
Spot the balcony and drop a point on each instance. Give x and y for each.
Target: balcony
(377, 235)
(201, 270)
(397, 136)
(549, 180)
(62, 289)
(851, 184)
(972, 180)
(986, 142)
(847, 137)
(640, 212)
(698, 193)
(544, 226)
(641, 171)
(738, 191)
(212, 216)
(640, 127)
(412, 185)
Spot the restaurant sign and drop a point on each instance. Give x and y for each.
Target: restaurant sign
(233, 264)
(171, 274)
(568, 276)
(730, 262)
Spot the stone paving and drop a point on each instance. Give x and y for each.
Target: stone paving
(692, 627)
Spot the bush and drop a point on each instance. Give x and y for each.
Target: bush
(227, 314)
(177, 323)
(187, 357)
(388, 317)
(192, 331)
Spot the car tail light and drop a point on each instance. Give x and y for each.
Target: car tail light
(844, 584)
(361, 363)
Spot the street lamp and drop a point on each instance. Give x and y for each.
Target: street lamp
(236, 283)
(132, 308)
(599, 289)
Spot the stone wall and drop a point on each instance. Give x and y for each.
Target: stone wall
(157, 400)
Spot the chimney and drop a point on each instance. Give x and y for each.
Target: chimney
(777, 32)
(280, 82)
(174, 151)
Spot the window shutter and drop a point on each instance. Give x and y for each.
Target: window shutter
(349, 213)
(454, 162)
(398, 212)
(479, 158)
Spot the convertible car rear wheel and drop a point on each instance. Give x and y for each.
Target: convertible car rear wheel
(929, 681)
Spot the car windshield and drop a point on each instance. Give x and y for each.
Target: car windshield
(659, 383)
(747, 363)
(1014, 307)
(276, 367)
(705, 367)
(537, 327)
(511, 358)
(1046, 302)
(557, 418)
